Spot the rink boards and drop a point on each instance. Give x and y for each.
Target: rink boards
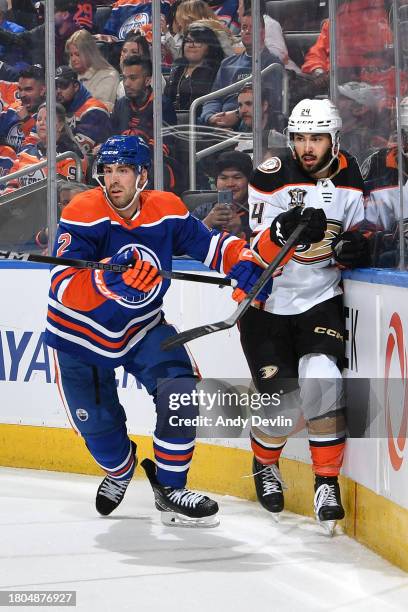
(376, 469)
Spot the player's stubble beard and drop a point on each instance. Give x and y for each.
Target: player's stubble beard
(318, 166)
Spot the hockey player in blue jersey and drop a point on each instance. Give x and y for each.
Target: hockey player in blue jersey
(98, 320)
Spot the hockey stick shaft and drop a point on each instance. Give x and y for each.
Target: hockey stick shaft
(99, 265)
(210, 328)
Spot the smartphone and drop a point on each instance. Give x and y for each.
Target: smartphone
(225, 197)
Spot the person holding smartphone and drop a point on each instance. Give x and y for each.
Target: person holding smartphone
(230, 211)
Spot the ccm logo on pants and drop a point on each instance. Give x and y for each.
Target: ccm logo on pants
(329, 332)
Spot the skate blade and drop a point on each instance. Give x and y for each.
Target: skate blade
(174, 519)
(328, 527)
(276, 516)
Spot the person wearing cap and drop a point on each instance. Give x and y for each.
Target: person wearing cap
(33, 41)
(88, 117)
(233, 173)
(192, 75)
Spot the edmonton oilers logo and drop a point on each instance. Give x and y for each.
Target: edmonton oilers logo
(143, 299)
(132, 23)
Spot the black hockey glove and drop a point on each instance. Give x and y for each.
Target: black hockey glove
(351, 249)
(284, 224)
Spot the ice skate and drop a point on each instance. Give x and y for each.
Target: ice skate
(269, 487)
(181, 507)
(327, 502)
(111, 492)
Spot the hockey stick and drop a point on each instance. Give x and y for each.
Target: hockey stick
(210, 328)
(99, 265)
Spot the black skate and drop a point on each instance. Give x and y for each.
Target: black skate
(181, 507)
(327, 502)
(111, 492)
(269, 487)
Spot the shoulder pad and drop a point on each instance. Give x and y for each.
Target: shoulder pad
(271, 165)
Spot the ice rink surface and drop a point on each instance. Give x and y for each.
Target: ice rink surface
(51, 538)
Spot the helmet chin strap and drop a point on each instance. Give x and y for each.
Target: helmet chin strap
(335, 148)
(138, 190)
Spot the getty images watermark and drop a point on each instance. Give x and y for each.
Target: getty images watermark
(220, 402)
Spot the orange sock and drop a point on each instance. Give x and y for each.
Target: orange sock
(266, 453)
(327, 457)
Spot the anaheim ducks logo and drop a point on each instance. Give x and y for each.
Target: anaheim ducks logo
(319, 251)
(268, 371)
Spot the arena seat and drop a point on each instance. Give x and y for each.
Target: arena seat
(182, 117)
(102, 15)
(194, 198)
(298, 15)
(298, 44)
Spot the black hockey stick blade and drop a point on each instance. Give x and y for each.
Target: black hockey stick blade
(100, 265)
(210, 328)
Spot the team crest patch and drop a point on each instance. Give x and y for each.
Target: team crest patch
(297, 196)
(82, 414)
(273, 164)
(268, 371)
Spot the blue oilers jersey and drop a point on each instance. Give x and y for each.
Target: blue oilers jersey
(130, 15)
(101, 329)
(10, 129)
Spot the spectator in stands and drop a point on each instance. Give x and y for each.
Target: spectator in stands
(274, 39)
(88, 117)
(233, 171)
(365, 35)
(135, 44)
(11, 138)
(32, 153)
(317, 59)
(25, 13)
(133, 114)
(32, 92)
(8, 73)
(94, 72)
(13, 56)
(33, 41)
(223, 112)
(192, 74)
(188, 12)
(85, 14)
(245, 111)
(9, 94)
(127, 16)
(66, 191)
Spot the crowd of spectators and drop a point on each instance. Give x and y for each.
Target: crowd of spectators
(104, 81)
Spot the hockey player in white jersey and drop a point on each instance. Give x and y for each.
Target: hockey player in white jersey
(298, 339)
(383, 206)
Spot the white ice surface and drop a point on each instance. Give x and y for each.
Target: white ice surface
(52, 538)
